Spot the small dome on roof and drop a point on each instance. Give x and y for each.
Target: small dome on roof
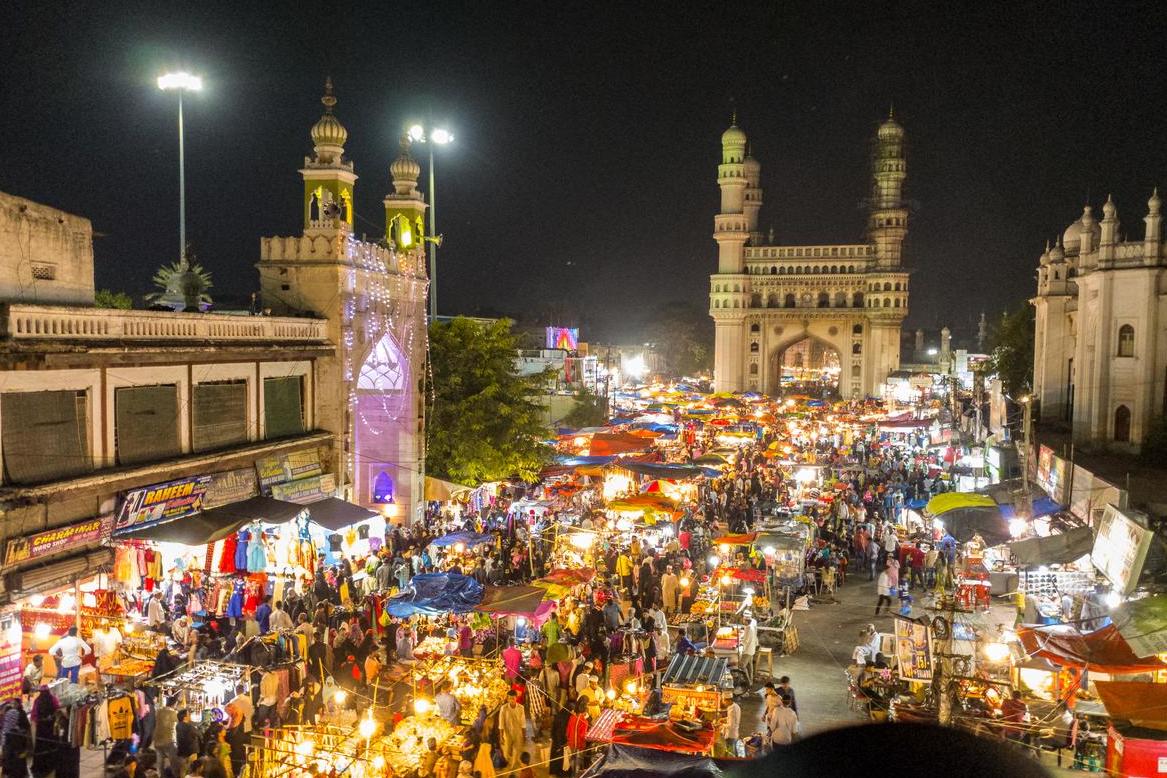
(1072, 237)
(734, 136)
(328, 131)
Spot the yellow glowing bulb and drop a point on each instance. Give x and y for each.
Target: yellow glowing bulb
(367, 727)
(684, 582)
(422, 706)
(726, 580)
(459, 548)
(340, 696)
(305, 747)
(610, 694)
(129, 627)
(630, 687)
(378, 762)
(996, 652)
(724, 548)
(41, 631)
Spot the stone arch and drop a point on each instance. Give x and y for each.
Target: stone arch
(857, 300)
(824, 300)
(1122, 424)
(773, 270)
(756, 300)
(840, 299)
(887, 286)
(887, 302)
(805, 361)
(789, 301)
(755, 328)
(772, 300)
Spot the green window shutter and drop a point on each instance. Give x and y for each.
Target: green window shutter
(283, 407)
(147, 423)
(220, 415)
(45, 436)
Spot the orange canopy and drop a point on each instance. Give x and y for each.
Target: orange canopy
(607, 444)
(1142, 704)
(1103, 651)
(741, 539)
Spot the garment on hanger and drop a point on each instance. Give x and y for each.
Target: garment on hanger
(242, 542)
(256, 551)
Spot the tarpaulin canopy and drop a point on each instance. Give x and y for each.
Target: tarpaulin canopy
(663, 736)
(437, 490)
(610, 443)
(570, 461)
(627, 761)
(466, 538)
(662, 470)
(335, 514)
(1103, 651)
(950, 501)
(562, 576)
(740, 539)
(217, 523)
(1055, 549)
(749, 575)
(1143, 622)
(512, 600)
(1142, 704)
(963, 523)
(647, 501)
(435, 593)
(1041, 506)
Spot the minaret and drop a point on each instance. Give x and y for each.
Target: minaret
(405, 206)
(731, 227)
(328, 177)
(1108, 236)
(753, 197)
(888, 222)
(1153, 234)
(919, 342)
(983, 325)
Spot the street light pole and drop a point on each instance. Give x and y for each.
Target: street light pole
(181, 82)
(433, 243)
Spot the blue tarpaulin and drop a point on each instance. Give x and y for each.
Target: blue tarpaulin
(434, 593)
(916, 504)
(466, 538)
(1042, 506)
(570, 461)
(663, 470)
(624, 761)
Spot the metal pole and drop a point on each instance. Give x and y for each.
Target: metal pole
(433, 235)
(1025, 466)
(181, 186)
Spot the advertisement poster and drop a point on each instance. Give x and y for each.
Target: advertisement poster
(566, 338)
(54, 541)
(231, 486)
(1120, 548)
(913, 650)
(10, 669)
(162, 502)
(288, 467)
(305, 490)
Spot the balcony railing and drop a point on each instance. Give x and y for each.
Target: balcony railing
(45, 322)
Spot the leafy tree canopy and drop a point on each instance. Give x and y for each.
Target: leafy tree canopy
(683, 333)
(482, 423)
(591, 410)
(106, 298)
(1011, 350)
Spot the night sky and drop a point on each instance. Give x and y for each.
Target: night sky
(582, 183)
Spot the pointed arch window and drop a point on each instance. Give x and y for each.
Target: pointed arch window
(1122, 424)
(384, 370)
(1126, 341)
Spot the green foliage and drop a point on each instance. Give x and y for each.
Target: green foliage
(106, 298)
(1011, 350)
(1154, 448)
(183, 283)
(591, 410)
(481, 421)
(683, 333)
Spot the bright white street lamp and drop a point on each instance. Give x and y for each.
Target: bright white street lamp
(441, 137)
(181, 82)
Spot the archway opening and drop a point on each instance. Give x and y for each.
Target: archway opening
(810, 367)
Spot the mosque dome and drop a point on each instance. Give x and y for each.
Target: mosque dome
(1057, 254)
(890, 130)
(752, 167)
(1072, 237)
(1154, 204)
(328, 131)
(734, 136)
(405, 167)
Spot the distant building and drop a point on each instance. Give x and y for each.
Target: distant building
(1100, 353)
(784, 314)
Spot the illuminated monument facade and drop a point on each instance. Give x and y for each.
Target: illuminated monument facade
(808, 318)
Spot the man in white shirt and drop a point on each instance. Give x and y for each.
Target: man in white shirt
(241, 708)
(68, 652)
(279, 619)
(749, 646)
(731, 729)
(781, 724)
(155, 613)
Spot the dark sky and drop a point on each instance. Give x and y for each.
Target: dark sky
(582, 179)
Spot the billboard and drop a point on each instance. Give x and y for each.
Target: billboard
(162, 502)
(1120, 548)
(566, 338)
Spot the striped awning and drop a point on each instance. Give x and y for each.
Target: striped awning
(686, 669)
(604, 726)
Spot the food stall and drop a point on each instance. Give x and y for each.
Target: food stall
(696, 683)
(475, 682)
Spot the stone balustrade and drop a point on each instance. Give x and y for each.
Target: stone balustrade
(41, 322)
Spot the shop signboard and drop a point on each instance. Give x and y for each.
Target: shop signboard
(305, 490)
(288, 467)
(231, 486)
(913, 651)
(1120, 548)
(162, 502)
(54, 541)
(1045, 456)
(11, 634)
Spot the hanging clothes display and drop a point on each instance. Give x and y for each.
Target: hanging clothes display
(256, 551)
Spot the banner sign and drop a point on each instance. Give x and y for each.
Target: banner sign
(1120, 549)
(913, 651)
(162, 502)
(11, 673)
(231, 486)
(53, 541)
(305, 490)
(288, 467)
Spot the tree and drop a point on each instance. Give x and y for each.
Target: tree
(1011, 350)
(591, 410)
(106, 298)
(683, 333)
(481, 421)
(183, 285)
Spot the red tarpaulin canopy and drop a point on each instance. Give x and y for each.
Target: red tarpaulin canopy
(648, 733)
(741, 539)
(1104, 650)
(606, 444)
(1142, 704)
(562, 576)
(750, 575)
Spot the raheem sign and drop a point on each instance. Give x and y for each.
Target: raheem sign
(162, 502)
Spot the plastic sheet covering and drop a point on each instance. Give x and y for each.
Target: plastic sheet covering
(467, 539)
(1055, 549)
(987, 522)
(949, 501)
(512, 600)
(1103, 651)
(625, 761)
(434, 593)
(662, 470)
(1142, 704)
(437, 490)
